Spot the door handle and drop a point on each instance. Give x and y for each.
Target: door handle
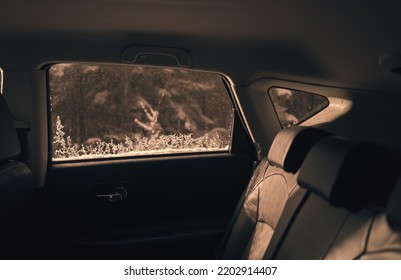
(120, 194)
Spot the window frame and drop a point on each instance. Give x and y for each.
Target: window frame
(226, 84)
(303, 91)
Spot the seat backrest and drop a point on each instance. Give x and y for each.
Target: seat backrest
(343, 218)
(15, 177)
(372, 234)
(272, 183)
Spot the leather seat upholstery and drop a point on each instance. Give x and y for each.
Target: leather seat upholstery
(372, 234)
(272, 183)
(394, 207)
(350, 173)
(344, 217)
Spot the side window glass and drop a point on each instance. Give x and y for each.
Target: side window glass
(106, 111)
(294, 107)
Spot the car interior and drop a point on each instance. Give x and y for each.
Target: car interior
(200, 129)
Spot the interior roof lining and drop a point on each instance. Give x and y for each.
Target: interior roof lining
(246, 40)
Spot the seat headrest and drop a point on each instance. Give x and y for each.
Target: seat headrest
(291, 145)
(350, 173)
(394, 207)
(9, 146)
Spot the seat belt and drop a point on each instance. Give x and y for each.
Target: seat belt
(290, 212)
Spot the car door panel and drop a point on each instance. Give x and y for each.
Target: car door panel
(171, 203)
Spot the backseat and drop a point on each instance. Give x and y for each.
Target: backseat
(378, 233)
(272, 183)
(344, 216)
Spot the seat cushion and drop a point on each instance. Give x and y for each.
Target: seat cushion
(271, 185)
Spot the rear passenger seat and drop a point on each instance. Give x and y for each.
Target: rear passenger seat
(344, 216)
(341, 211)
(273, 182)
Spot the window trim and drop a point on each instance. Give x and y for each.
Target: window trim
(292, 89)
(229, 94)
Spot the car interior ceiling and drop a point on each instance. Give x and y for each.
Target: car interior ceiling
(326, 189)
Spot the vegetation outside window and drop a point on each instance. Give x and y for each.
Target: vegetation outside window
(103, 111)
(294, 107)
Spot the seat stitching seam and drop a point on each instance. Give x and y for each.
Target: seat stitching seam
(364, 251)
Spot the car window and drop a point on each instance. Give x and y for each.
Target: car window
(294, 107)
(103, 111)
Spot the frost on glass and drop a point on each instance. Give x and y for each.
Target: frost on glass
(294, 107)
(103, 111)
